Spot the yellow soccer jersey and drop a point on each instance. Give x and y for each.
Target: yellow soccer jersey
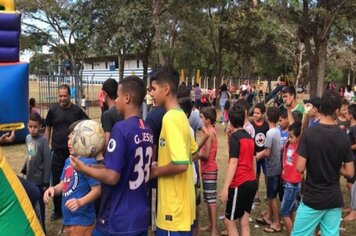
(176, 193)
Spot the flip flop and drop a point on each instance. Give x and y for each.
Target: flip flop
(262, 221)
(269, 229)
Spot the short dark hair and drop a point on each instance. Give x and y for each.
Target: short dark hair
(330, 102)
(297, 116)
(110, 88)
(290, 90)
(243, 103)
(273, 114)
(166, 74)
(261, 106)
(237, 116)
(183, 91)
(65, 86)
(32, 102)
(352, 110)
(72, 126)
(296, 128)
(135, 87)
(284, 114)
(186, 104)
(344, 102)
(209, 113)
(35, 117)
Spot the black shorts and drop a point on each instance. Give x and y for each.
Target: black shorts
(240, 200)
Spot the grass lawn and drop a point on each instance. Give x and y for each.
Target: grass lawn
(15, 156)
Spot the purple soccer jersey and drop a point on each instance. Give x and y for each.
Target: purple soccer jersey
(124, 207)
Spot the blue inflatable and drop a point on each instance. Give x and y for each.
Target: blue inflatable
(14, 96)
(14, 109)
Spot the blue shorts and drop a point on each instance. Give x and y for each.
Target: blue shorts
(261, 164)
(308, 218)
(291, 198)
(272, 186)
(98, 232)
(162, 232)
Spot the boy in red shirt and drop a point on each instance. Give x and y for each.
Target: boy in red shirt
(291, 177)
(240, 184)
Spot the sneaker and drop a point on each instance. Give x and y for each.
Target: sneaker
(55, 216)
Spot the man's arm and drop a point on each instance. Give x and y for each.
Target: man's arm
(167, 170)
(301, 163)
(347, 169)
(48, 133)
(104, 175)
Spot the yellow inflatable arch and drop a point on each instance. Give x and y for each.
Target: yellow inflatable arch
(9, 5)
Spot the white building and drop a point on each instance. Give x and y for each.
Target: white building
(98, 69)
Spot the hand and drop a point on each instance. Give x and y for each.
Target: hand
(229, 129)
(77, 164)
(153, 172)
(224, 195)
(308, 107)
(48, 195)
(8, 137)
(73, 204)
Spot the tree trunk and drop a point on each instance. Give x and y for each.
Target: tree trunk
(144, 59)
(158, 35)
(219, 56)
(121, 64)
(321, 67)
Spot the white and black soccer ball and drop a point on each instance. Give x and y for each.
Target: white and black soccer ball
(88, 138)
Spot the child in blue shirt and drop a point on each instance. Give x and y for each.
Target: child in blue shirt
(78, 194)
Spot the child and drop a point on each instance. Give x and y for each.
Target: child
(351, 181)
(209, 167)
(342, 120)
(272, 153)
(247, 124)
(226, 112)
(240, 182)
(124, 206)
(176, 195)
(37, 167)
(291, 177)
(78, 194)
(261, 127)
(283, 124)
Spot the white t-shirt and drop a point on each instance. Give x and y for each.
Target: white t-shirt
(349, 96)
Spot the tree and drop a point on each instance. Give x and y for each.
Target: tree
(315, 26)
(66, 25)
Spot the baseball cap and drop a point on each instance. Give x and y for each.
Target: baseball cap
(315, 101)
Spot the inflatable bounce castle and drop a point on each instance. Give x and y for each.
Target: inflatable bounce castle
(17, 216)
(14, 108)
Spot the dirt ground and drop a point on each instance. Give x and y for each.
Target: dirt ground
(15, 156)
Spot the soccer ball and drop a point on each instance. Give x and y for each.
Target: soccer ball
(88, 138)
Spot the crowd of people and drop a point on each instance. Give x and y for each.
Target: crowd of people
(152, 171)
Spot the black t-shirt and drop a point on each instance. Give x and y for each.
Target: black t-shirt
(260, 135)
(154, 121)
(60, 119)
(352, 137)
(109, 118)
(325, 148)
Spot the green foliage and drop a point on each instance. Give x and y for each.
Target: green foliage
(333, 73)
